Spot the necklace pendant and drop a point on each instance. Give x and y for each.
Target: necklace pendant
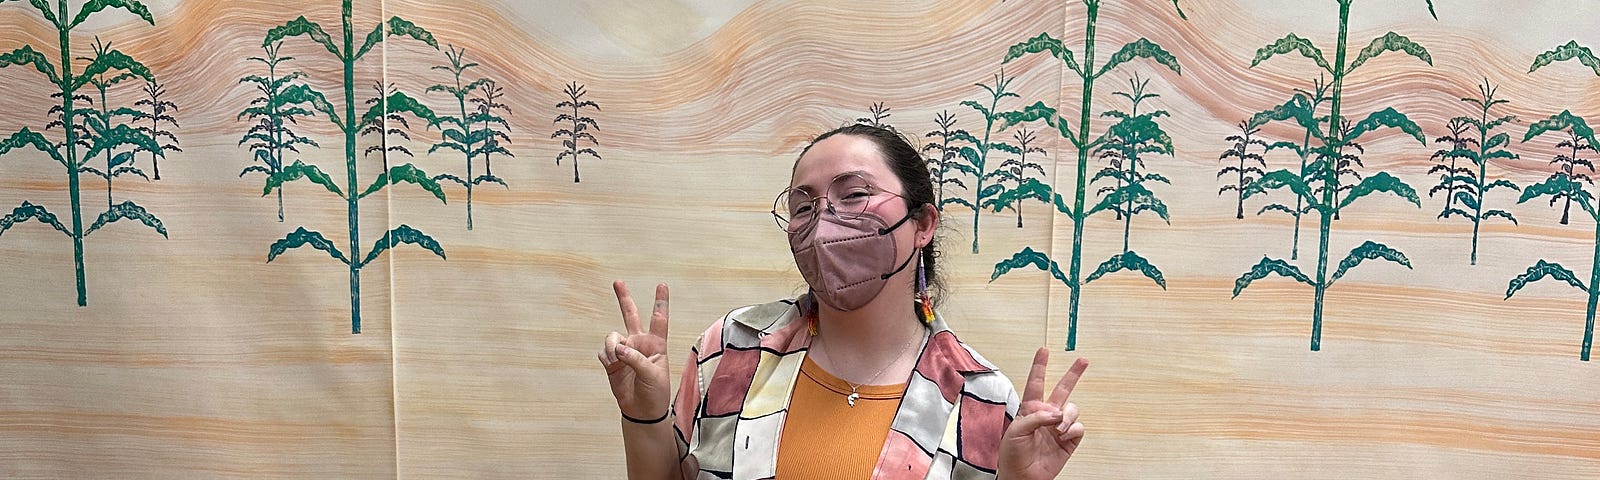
(852, 398)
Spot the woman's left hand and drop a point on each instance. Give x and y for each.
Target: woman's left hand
(1045, 433)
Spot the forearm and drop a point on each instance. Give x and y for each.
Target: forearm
(651, 450)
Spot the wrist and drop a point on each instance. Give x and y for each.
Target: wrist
(646, 421)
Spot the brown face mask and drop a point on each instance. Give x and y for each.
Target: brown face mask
(845, 259)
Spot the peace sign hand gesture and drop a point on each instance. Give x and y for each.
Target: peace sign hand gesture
(636, 362)
(1045, 433)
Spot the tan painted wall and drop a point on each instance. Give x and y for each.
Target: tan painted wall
(194, 357)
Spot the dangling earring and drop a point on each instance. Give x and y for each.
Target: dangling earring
(926, 304)
(808, 310)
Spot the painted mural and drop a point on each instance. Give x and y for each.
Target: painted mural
(1205, 165)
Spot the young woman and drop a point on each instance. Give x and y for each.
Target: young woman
(859, 377)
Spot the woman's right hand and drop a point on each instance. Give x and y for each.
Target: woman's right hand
(636, 360)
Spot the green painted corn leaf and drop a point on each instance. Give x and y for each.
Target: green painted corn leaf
(1560, 185)
(127, 210)
(1044, 43)
(1290, 43)
(1137, 195)
(1298, 108)
(299, 170)
(1038, 111)
(1387, 117)
(1274, 207)
(451, 178)
(1186, 17)
(1141, 48)
(990, 191)
(43, 6)
(401, 27)
(130, 169)
(398, 102)
(1024, 191)
(118, 136)
(29, 138)
(1381, 182)
(301, 93)
(1502, 183)
(1368, 250)
(1128, 261)
(254, 168)
(301, 26)
(1266, 267)
(407, 173)
(403, 234)
(301, 237)
(956, 201)
(120, 158)
(1568, 51)
(1467, 199)
(1390, 42)
(1281, 179)
(92, 6)
(1562, 121)
(28, 211)
(1430, 10)
(1499, 213)
(94, 171)
(1541, 270)
(1028, 256)
(26, 56)
(486, 178)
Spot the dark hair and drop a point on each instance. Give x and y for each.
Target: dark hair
(908, 165)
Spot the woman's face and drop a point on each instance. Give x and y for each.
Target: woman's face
(846, 154)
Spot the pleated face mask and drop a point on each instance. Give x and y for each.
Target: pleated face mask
(847, 259)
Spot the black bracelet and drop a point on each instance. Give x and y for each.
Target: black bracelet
(647, 422)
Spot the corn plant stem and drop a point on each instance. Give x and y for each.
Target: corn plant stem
(1483, 169)
(70, 146)
(983, 160)
(1594, 295)
(1074, 272)
(1330, 177)
(352, 201)
(466, 133)
(105, 117)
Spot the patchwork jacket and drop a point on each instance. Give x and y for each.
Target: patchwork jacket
(731, 405)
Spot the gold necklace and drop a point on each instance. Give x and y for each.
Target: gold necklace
(851, 399)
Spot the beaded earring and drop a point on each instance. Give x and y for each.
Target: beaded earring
(925, 304)
(808, 310)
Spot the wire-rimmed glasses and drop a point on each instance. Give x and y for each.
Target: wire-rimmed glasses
(848, 196)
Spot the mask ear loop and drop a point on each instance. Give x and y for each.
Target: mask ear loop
(925, 303)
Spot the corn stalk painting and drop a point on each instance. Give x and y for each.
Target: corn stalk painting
(1014, 173)
(1563, 186)
(471, 133)
(1468, 185)
(876, 114)
(973, 159)
(944, 155)
(347, 53)
(272, 137)
(100, 119)
(1313, 101)
(160, 111)
(88, 132)
(1250, 165)
(1133, 138)
(1334, 146)
(1079, 137)
(573, 136)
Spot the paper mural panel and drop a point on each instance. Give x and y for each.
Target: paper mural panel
(313, 239)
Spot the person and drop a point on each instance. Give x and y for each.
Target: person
(857, 378)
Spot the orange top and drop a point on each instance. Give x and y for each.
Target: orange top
(826, 438)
